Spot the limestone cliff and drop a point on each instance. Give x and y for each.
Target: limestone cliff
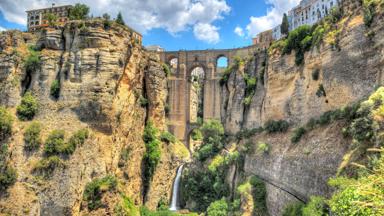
(103, 76)
(286, 91)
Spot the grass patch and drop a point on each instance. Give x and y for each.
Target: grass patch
(95, 189)
(32, 136)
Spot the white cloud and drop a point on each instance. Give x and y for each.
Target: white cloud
(239, 31)
(2, 29)
(172, 15)
(206, 32)
(272, 18)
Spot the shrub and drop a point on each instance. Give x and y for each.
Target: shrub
(321, 91)
(293, 209)
(77, 139)
(28, 107)
(316, 207)
(218, 208)
(197, 135)
(167, 137)
(143, 101)
(95, 189)
(295, 38)
(369, 12)
(54, 143)
(247, 101)
(32, 136)
(316, 74)
(79, 12)
(126, 207)
(8, 177)
(276, 126)
(124, 156)
(6, 122)
(32, 62)
(166, 70)
(213, 132)
(297, 134)
(263, 148)
(55, 89)
(46, 166)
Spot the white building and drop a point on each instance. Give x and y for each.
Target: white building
(276, 33)
(308, 12)
(154, 48)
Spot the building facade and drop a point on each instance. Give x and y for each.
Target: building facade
(36, 18)
(155, 48)
(309, 12)
(276, 33)
(263, 39)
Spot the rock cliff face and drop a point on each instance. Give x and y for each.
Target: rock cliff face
(102, 75)
(297, 171)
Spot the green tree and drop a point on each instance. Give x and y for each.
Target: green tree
(284, 25)
(119, 19)
(51, 18)
(79, 12)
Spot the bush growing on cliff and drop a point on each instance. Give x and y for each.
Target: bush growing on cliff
(32, 62)
(32, 136)
(77, 139)
(96, 188)
(8, 177)
(79, 12)
(6, 122)
(28, 107)
(259, 194)
(293, 209)
(8, 174)
(369, 7)
(316, 207)
(276, 126)
(152, 151)
(263, 148)
(55, 89)
(218, 208)
(167, 137)
(297, 134)
(54, 143)
(166, 70)
(47, 166)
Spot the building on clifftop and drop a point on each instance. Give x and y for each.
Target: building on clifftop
(36, 18)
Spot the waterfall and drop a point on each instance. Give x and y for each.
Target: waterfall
(175, 191)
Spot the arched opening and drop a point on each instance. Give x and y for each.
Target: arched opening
(221, 64)
(197, 95)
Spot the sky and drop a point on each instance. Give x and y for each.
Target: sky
(173, 24)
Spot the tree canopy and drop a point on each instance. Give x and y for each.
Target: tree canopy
(79, 12)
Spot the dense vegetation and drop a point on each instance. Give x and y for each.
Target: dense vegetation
(55, 89)
(152, 151)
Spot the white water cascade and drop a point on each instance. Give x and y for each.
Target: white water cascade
(175, 191)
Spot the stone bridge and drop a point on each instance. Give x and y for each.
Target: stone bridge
(180, 85)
